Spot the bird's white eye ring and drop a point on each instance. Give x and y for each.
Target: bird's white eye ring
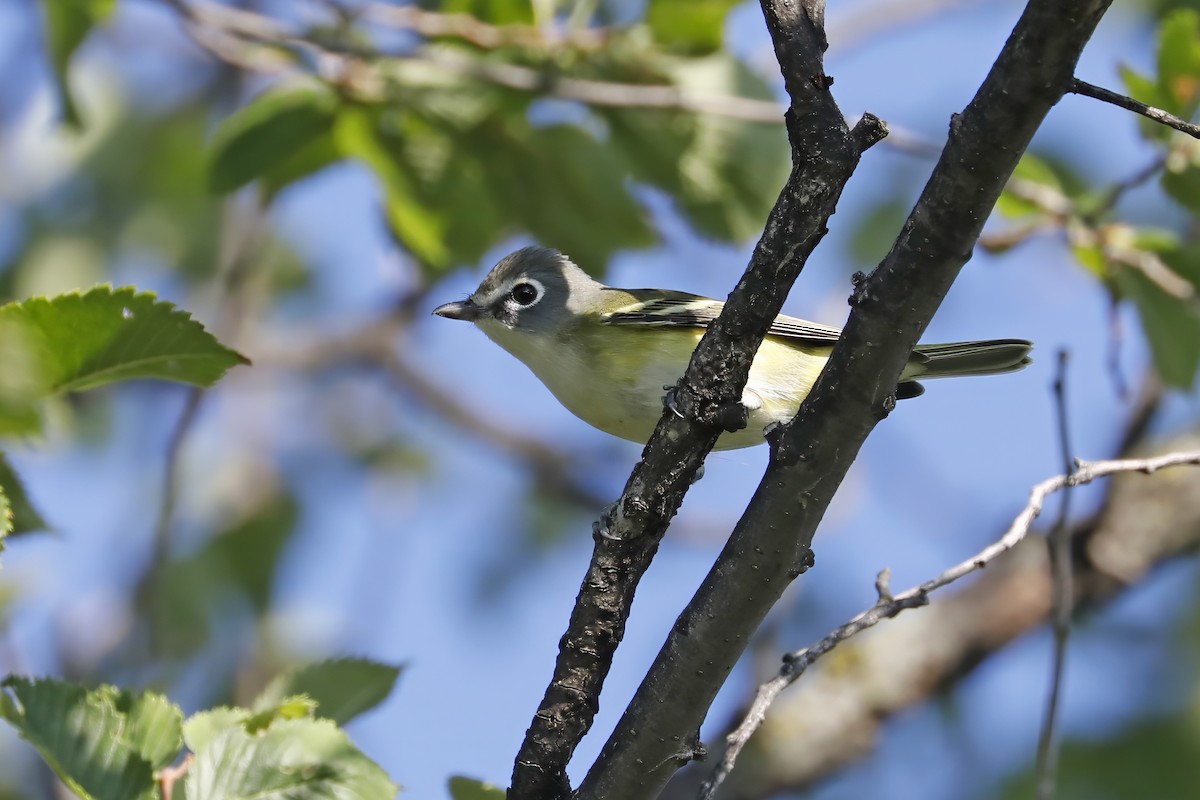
(526, 293)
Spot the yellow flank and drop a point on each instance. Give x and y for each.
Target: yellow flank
(607, 378)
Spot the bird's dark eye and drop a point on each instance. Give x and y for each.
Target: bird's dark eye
(525, 294)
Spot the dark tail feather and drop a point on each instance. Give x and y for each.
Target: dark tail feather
(991, 357)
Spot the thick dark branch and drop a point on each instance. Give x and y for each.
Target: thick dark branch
(707, 399)
(833, 716)
(1137, 107)
(810, 457)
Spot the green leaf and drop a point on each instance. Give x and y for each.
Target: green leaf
(732, 170)
(203, 727)
(419, 228)
(1181, 177)
(297, 707)
(1031, 171)
(1179, 61)
(694, 27)
(25, 517)
(103, 743)
(1172, 326)
(342, 688)
(297, 759)
(68, 22)
(1091, 257)
(575, 195)
(272, 135)
(496, 12)
(73, 342)
(470, 789)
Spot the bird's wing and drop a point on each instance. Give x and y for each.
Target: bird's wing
(664, 308)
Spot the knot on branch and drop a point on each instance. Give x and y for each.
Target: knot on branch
(887, 406)
(806, 561)
(868, 131)
(725, 415)
(861, 293)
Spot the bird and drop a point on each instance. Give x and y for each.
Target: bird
(607, 354)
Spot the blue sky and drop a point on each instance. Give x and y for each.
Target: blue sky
(388, 566)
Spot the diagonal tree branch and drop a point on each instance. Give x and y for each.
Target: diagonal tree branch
(707, 400)
(889, 606)
(833, 716)
(810, 457)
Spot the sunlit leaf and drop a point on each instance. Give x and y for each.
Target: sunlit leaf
(342, 688)
(470, 789)
(1172, 325)
(1179, 61)
(497, 12)
(732, 170)
(695, 27)
(82, 340)
(1031, 173)
(283, 132)
(1091, 257)
(201, 728)
(104, 743)
(422, 230)
(300, 759)
(68, 22)
(293, 707)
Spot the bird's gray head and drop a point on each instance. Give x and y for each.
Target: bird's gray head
(533, 289)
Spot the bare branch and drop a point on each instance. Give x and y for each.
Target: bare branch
(796, 663)
(376, 344)
(470, 29)
(770, 544)
(1061, 570)
(707, 402)
(1136, 106)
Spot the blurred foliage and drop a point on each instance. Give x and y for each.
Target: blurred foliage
(187, 596)
(484, 131)
(1153, 758)
(1155, 269)
(68, 22)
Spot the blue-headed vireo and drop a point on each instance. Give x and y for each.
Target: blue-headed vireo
(608, 353)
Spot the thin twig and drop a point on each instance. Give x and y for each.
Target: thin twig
(1136, 106)
(1062, 594)
(226, 33)
(481, 34)
(375, 344)
(1114, 240)
(795, 664)
(237, 254)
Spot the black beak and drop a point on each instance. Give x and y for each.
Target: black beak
(461, 309)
